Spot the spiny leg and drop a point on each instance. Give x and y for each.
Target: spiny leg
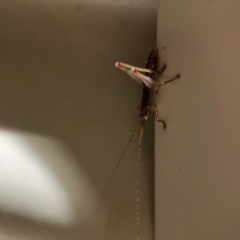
(125, 67)
(144, 70)
(158, 119)
(170, 80)
(151, 71)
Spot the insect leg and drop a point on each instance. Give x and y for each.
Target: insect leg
(151, 71)
(125, 66)
(145, 70)
(158, 119)
(170, 80)
(163, 69)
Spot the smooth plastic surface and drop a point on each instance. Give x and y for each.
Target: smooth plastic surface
(198, 157)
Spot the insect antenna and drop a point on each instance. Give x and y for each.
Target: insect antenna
(98, 208)
(142, 124)
(139, 127)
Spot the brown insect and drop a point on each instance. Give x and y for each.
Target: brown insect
(148, 107)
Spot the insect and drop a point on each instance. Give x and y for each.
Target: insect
(150, 88)
(148, 107)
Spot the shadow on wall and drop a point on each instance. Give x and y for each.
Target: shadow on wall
(58, 79)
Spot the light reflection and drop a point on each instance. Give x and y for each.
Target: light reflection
(38, 181)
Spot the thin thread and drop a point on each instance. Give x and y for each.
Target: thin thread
(140, 125)
(138, 180)
(120, 160)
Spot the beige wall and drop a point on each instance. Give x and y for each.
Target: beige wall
(198, 158)
(58, 81)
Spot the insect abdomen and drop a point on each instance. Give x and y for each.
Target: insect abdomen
(147, 99)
